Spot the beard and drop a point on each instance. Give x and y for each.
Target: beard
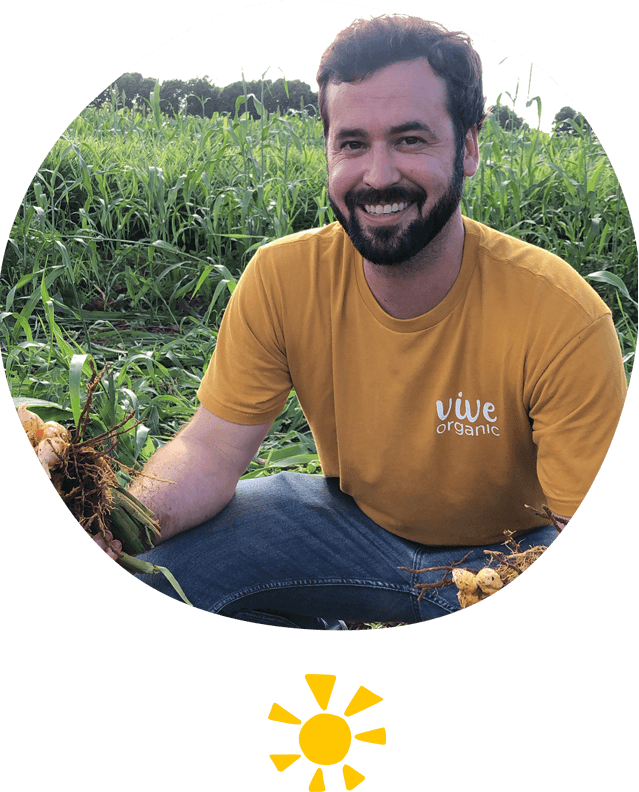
(389, 246)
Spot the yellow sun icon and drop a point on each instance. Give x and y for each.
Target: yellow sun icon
(325, 739)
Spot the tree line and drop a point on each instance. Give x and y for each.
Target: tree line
(566, 120)
(200, 97)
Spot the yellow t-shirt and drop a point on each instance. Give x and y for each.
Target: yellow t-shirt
(441, 427)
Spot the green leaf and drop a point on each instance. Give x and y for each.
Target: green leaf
(47, 410)
(141, 434)
(205, 274)
(140, 567)
(286, 457)
(75, 376)
(162, 245)
(169, 576)
(155, 105)
(612, 280)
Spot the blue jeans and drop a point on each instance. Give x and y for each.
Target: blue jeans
(293, 550)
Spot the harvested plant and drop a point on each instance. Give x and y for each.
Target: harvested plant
(82, 470)
(502, 568)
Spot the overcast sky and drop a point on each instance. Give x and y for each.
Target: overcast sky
(279, 38)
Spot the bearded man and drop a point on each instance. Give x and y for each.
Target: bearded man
(450, 374)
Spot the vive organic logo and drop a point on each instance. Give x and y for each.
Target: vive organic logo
(467, 419)
(325, 739)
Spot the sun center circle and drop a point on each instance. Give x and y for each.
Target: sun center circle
(325, 739)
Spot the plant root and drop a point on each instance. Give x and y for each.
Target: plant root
(84, 477)
(82, 470)
(446, 580)
(502, 568)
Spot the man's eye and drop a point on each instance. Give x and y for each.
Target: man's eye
(412, 141)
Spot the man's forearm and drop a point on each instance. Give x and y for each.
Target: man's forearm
(182, 487)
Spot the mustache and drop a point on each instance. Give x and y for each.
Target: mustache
(390, 195)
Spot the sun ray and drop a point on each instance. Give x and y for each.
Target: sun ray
(321, 686)
(377, 736)
(362, 700)
(317, 782)
(351, 777)
(282, 761)
(279, 714)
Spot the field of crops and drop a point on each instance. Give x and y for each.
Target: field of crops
(137, 227)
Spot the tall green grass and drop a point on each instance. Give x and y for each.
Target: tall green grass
(137, 226)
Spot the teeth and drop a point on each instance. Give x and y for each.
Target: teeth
(386, 208)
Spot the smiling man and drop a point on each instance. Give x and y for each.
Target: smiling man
(450, 374)
(396, 187)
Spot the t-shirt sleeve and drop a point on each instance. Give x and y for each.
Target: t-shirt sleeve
(248, 381)
(575, 407)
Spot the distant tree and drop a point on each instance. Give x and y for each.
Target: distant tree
(566, 119)
(103, 97)
(201, 97)
(299, 94)
(172, 96)
(230, 93)
(563, 114)
(506, 118)
(132, 89)
(135, 88)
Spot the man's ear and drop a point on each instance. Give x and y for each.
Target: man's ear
(471, 151)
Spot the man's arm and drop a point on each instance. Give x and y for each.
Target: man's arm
(193, 477)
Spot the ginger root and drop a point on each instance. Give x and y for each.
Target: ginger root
(472, 587)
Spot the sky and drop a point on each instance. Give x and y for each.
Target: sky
(273, 37)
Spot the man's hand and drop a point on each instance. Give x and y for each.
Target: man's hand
(111, 546)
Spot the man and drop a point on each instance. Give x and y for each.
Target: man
(450, 374)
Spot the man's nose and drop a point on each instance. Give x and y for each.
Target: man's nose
(381, 170)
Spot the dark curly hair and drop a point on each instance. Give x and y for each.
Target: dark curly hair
(369, 45)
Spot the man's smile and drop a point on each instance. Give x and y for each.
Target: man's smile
(376, 209)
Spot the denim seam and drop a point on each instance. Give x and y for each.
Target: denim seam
(364, 583)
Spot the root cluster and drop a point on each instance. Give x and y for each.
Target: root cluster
(83, 474)
(501, 569)
(82, 470)
(87, 478)
(84, 481)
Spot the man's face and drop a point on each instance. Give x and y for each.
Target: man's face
(395, 177)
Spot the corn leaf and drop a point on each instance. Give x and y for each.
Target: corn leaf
(612, 280)
(139, 567)
(75, 376)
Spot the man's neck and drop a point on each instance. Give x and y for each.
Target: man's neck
(412, 289)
